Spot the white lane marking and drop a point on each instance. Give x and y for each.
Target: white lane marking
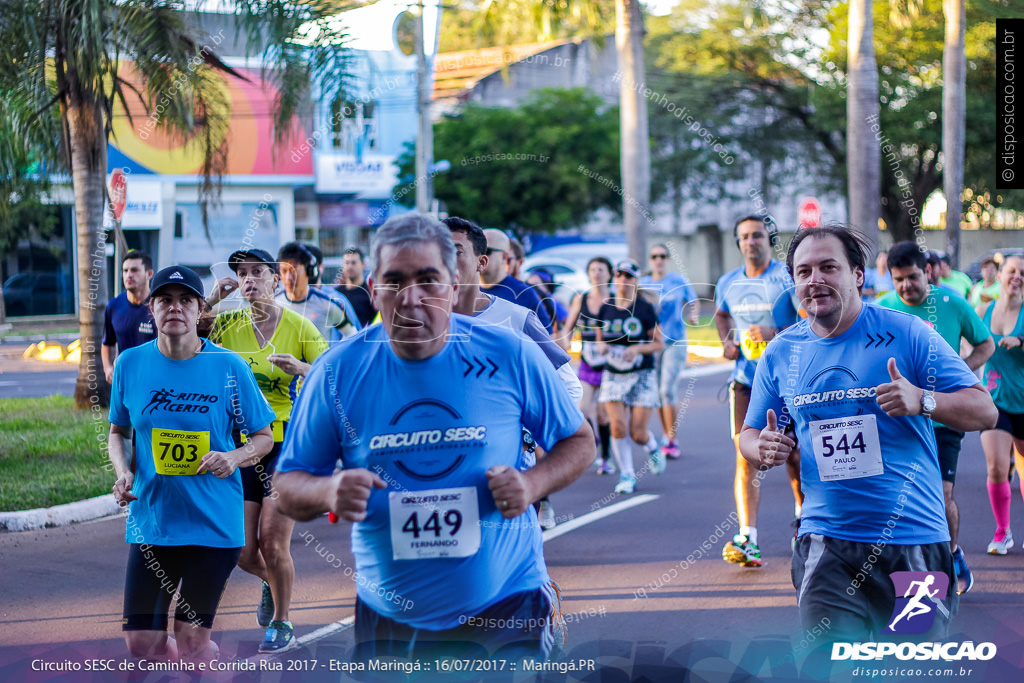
(705, 370)
(590, 517)
(575, 523)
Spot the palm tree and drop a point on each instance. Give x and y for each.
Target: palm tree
(635, 146)
(590, 15)
(864, 156)
(83, 58)
(954, 104)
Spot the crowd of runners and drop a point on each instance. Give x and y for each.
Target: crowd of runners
(433, 403)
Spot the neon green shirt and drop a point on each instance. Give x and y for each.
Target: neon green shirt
(294, 334)
(992, 292)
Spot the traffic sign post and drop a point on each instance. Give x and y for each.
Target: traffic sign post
(810, 213)
(117, 190)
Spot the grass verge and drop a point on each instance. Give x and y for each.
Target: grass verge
(50, 453)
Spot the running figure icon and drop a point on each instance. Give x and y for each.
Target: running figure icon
(915, 607)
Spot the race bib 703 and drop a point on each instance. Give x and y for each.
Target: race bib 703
(176, 451)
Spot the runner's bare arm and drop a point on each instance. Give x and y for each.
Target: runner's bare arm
(980, 354)
(122, 488)
(304, 496)
(564, 339)
(107, 355)
(968, 410)
(224, 464)
(766, 447)
(562, 465)
(725, 326)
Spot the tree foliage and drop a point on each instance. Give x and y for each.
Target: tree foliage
(773, 81)
(68, 60)
(486, 23)
(721, 104)
(542, 166)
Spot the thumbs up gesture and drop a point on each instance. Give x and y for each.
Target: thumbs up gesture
(898, 397)
(773, 447)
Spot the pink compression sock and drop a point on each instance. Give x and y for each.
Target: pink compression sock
(999, 497)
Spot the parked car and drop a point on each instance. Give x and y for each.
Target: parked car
(568, 264)
(34, 293)
(974, 270)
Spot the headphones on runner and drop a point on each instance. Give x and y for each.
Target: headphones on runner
(313, 269)
(766, 220)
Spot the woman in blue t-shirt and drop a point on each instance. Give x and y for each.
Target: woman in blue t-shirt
(628, 338)
(182, 396)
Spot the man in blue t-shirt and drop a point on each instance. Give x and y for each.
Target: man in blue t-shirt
(434, 477)
(127, 320)
(753, 302)
(497, 281)
(675, 293)
(859, 383)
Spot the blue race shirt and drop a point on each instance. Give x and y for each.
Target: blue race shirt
(827, 387)
(433, 541)
(674, 290)
(127, 325)
(520, 319)
(768, 300)
(181, 410)
(518, 292)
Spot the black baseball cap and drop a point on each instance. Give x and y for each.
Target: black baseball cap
(177, 275)
(629, 267)
(258, 254)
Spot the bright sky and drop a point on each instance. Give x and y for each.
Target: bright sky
(660, 7)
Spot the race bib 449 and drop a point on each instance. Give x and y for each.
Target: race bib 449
(435, 523)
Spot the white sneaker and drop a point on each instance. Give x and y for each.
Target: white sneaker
(1000, 547)
(658, 461)
(627, 484)
(546, 515)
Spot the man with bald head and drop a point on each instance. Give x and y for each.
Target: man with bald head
(497, 281)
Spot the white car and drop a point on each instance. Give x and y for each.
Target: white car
(568, 264)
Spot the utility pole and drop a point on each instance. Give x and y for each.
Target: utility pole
(425, 134)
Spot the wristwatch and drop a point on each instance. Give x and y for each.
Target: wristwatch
(927, 403)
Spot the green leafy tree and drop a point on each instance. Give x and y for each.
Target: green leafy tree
(533, 20)
(542, 166)
(794, 62)
(64, 58)
(721, 104)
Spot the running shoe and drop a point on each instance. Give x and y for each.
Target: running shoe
(1000, 547)
(278, 638)
(741, 551)
(658, 461)
(671, 450)
(605, 467)
(265, 610)
(627, 484)
(962, 571)
(546, 515)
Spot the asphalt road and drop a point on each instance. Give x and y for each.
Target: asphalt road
(640, 608)
(21, 378)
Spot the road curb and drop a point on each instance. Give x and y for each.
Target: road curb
(59, 515)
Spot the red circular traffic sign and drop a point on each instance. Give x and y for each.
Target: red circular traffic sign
(810, 213)
(118, 193)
